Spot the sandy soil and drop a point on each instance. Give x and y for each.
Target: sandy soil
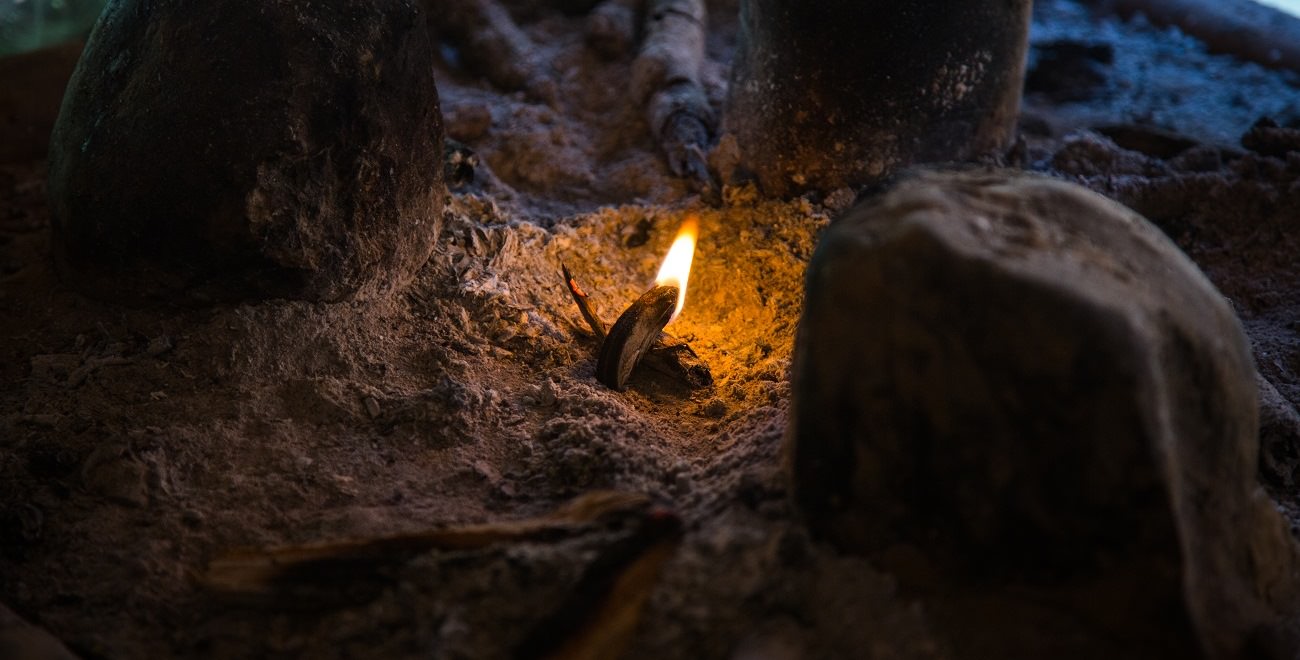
(138, 444)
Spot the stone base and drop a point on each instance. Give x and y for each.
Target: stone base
(1028, 383)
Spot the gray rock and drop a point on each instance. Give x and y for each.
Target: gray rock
(1025, 383)
(20, 640)
(235, 150)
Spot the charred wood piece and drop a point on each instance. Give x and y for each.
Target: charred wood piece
(666, 80)
(599, 617)
(673, 357)
(635, 331)
(668, 355)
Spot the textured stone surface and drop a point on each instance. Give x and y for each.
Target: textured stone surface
(842, 92)
(235, 149)
(1027, 383)
(20, 640)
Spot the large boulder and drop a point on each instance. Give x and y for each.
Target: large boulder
(232, 149)
(839, 93)
(1014, 381)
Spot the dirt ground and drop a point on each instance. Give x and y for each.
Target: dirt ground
(136, 445)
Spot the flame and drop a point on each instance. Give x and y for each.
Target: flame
(677, 265)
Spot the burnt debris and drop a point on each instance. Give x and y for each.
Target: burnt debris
(638, 337)
(633, 334)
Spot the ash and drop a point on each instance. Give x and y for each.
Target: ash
(139, 444)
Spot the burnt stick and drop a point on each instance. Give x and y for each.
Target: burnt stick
(584, 305)
(635, 331)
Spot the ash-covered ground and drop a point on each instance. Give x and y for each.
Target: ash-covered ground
(136, 445)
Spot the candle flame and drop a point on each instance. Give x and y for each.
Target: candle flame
(677, 265)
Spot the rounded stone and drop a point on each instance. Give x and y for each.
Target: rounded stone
(233, 150)
(1023, 382)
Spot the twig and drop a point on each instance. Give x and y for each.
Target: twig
(599, 617)
(584, 306)
(666, 79)
(361, 567)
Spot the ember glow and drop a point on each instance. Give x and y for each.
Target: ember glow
(677, 265)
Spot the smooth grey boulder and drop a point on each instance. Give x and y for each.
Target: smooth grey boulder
(229, 149)
(1012, 380)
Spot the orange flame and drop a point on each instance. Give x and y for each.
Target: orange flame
(677, 265)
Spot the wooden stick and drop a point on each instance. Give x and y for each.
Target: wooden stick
(666, 79)
(599, 616)
(612, 626)
(635, 331)
(361, 565)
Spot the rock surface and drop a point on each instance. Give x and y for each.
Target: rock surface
(1012, 380)
(20, 640)
(842, 92)
(235, 150)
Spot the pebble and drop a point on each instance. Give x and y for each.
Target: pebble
(715, 408)
(192, 518)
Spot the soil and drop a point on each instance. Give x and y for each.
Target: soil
(136, 445)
